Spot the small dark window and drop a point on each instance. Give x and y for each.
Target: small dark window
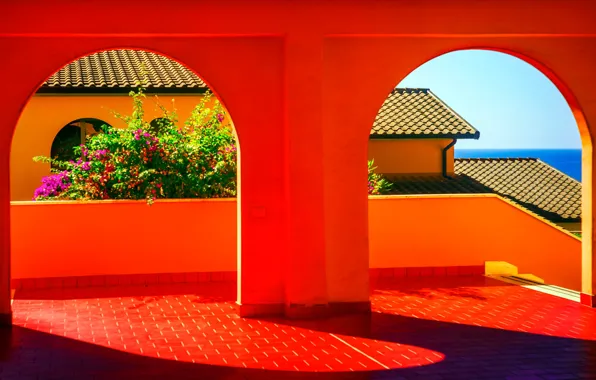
(159, 123)
(73, 135)
(64, 143)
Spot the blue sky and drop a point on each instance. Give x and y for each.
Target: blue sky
(512, 104)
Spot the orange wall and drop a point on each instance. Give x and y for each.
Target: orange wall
(416, 156)
(45, 115)
(200, 236)
(122, 237)
(469, 230)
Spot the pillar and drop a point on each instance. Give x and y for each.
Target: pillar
(6, 124)
(305, 277)
(588, 294)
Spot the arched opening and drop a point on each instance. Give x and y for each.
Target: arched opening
(483, 154)
(115, 164)
(74, 134)
(159, 123)
(65, 141)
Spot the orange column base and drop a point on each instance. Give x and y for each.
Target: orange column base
(260, 310)
(588, 300)
(341, 308)
(332, 309)
(298, 311)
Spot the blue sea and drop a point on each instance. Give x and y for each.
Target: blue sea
(569, 161)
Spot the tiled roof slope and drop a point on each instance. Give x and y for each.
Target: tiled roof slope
(529, 182)
(418, 113)
(437, 184)
(115, 69)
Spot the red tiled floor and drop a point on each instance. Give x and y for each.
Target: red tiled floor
(421, 328)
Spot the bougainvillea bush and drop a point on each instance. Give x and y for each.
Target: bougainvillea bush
(149, 161)
(157, 160)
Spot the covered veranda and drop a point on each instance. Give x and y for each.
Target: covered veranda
(302, 210)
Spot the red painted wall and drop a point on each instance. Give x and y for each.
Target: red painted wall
(303, 221)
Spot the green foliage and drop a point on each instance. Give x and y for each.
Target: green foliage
(377, 184)
(197, 160)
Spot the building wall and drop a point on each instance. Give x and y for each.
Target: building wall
(415, 156)
(46, 115)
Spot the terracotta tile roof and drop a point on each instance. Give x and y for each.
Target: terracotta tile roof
(529, 182)
(418, 113)
(437, 184)
(121, 69)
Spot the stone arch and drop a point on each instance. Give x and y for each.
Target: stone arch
(420, 165)
(348, 120)
(261, 193)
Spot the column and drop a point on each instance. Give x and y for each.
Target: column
(305, 274)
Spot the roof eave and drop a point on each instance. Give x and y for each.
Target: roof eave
(119, 90)
(458, 136)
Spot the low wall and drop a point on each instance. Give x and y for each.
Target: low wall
(63, 239)
(427, 234)
(453, 230)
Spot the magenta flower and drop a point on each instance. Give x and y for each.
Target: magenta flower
(101, 153)
(53, 185)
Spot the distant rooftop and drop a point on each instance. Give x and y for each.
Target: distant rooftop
(413, 113)
(529, 182)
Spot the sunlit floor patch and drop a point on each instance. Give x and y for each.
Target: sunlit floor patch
(486, 302)
(194, 329)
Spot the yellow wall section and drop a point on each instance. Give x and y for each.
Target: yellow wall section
(415, 156)
(46, 115)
